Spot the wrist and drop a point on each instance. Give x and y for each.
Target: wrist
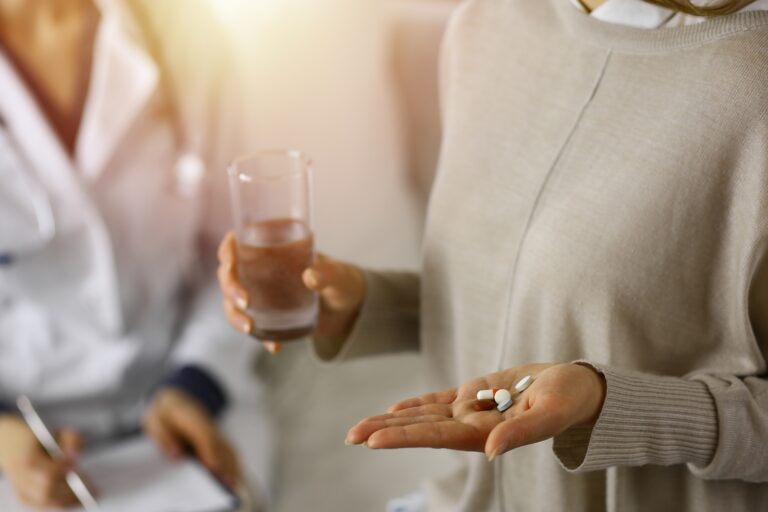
(596, 390)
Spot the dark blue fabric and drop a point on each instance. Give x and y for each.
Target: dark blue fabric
(201, 385)
(8, 408)
(6, 260)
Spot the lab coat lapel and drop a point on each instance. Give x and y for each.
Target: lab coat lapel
(123, 80)
(41, 148)
(48, 162)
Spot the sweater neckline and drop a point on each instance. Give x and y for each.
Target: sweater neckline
(641, 40)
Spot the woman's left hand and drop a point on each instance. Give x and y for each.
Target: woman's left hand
(561, 396)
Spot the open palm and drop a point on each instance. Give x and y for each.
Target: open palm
(562, 395)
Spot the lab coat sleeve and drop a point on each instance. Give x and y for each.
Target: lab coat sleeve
(716, 423)
(198, 383)
(209, 344)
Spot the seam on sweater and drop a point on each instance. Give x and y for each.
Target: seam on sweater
(502, 350)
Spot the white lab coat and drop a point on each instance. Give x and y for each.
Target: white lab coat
(102, 244)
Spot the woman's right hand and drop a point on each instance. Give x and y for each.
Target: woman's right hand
(38, 480)
(340, 286)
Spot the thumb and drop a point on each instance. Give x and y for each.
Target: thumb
(71, 443)
(341, 286)
(531, 426)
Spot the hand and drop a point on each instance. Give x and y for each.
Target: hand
(341, 288)
(561, 396)
(38, 480)
(176, 420)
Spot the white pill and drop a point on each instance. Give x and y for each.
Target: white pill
(502, 396)
(485, 394)
(523, 383)
(506, 405)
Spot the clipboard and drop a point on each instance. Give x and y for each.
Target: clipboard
(133, 475)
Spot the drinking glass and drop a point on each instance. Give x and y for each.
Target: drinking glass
(271, 197)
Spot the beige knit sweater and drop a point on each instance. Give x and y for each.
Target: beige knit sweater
(602, 195)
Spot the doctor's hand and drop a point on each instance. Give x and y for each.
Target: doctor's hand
(38, 480)
(340, 286)
(561, 396)
(176, 421)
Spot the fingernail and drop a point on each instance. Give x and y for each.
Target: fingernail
(348, 442)
(241, 303)
(273, 347)
(246, 327)
(498, 451)
(311, 278)
(365, 443)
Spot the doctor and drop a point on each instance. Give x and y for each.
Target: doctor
(110, 144)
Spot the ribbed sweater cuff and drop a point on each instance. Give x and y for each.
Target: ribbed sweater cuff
(646, 419)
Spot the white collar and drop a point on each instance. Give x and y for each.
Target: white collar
(123, 79)
(635, 13)
(640, 14)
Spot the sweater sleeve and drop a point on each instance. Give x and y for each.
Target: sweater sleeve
(715, 422)
(717, 425)
(389, 319)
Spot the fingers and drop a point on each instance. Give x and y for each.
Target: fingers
(238, 319)
(227, 273)
(447, 396)
(204, 438)
(71, 443)
(42, 482)
(212, 449)
(445, 410)
(231, 472)
(179, 421)
(531, 426)
(273, 347)
(362, 432)
(165, 438)
(236, 297)
(341, 286)
(445, 433)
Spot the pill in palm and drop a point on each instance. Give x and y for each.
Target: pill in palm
(523, 383)
(485, 394)
(502, 396)
(506, 405)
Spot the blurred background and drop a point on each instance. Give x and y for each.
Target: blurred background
(353, 83)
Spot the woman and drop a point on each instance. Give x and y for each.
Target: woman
(600, 205)
(102, 187)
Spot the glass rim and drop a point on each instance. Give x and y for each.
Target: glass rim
(294, 155)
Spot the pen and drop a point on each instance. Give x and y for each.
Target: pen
(46, 439)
